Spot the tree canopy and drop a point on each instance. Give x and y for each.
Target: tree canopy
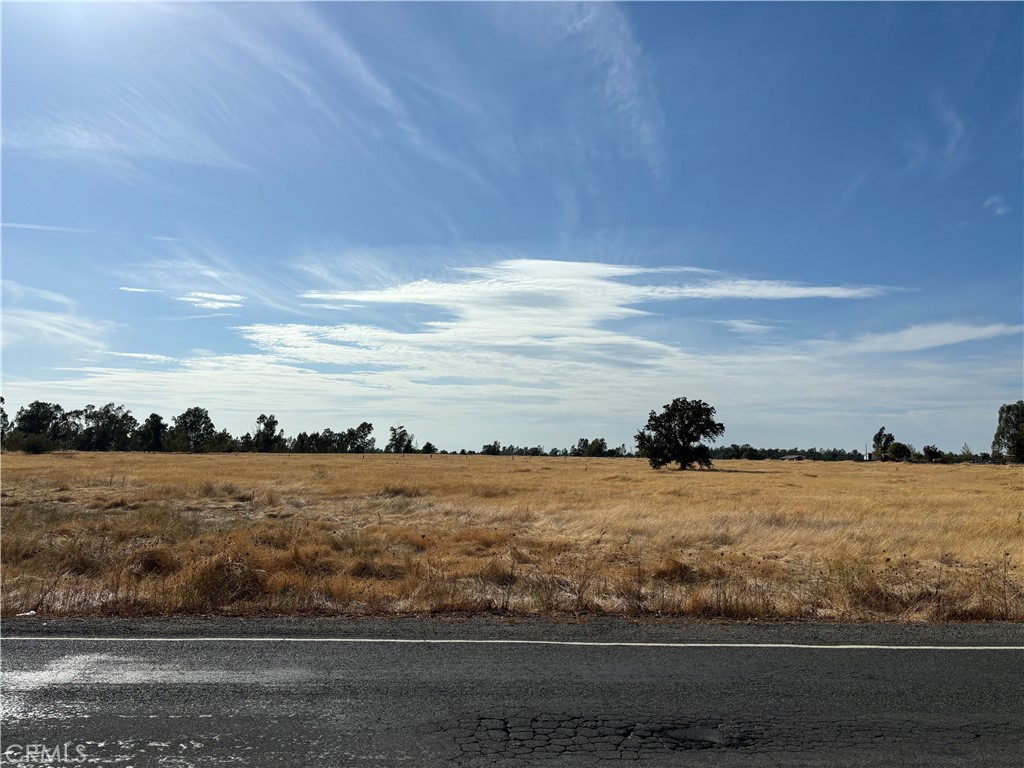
(882, 442)
(193, 429)
(401, 441)
(1009, 438)
(674, 435)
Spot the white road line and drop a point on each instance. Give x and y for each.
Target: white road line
(570, 643)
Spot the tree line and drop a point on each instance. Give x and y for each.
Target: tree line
(41, 427)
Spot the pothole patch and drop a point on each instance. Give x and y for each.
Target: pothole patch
(528, 736)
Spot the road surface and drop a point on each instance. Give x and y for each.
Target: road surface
(482, 693)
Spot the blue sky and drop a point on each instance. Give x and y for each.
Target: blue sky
(523, 222)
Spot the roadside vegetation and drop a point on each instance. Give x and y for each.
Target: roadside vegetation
(383, 534)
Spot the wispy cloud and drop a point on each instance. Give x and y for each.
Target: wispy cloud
(133, 130)
(747, 327)
(942, 145)
(997, 204)
(82, 231)
(926, 336)
(853, 186)
(956, 130)
(47, 228)
(142, 357)
(198, 266)
(772, 290)
(604, 34)
(346, 59)
(16, 294)
(212, 300)
(539, 277)
(129, 289)
(44, 318)
(43, 328)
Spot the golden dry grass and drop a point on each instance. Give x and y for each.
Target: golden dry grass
(379, 534)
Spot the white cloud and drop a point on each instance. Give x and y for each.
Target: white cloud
(545, 282)
(545, 339)
(928, 336)
(129, 289)
(205, 300)
(997, 203)
(773, 290)
(546, 322)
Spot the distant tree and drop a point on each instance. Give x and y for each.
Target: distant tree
(267, 437)
(5, 422)
(401, 441)
(302, 443)
(327, 441)
(750, 453)
(151, 434)
(900, 451)
(428, 447)
(1009, 437)
(68, 428)
(932, 453)
(221, 442)
(674, 435)
(881, 443)
(192, 430)
(110, 428)
(491, 449)
(357, 439)
(966, 453)
(41, 427)
(38, 418)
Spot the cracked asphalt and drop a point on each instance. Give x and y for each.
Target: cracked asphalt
(302, 693)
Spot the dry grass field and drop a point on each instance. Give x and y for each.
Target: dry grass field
(136, 534)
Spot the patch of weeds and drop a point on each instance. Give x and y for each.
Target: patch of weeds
(221, 580)
(376, 569)
(403, 491)
(676, 572)
(152, 561)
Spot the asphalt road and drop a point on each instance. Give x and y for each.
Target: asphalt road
(416, 693)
